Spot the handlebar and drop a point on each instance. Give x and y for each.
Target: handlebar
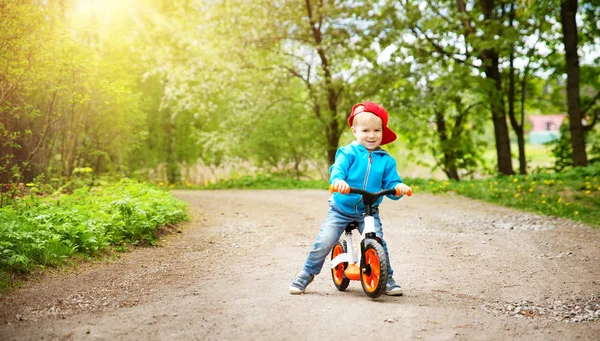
(362, 192)
(370, 198)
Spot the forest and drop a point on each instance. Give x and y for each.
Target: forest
(193, 91)
(106, 105)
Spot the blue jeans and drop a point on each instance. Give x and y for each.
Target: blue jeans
(331, 231)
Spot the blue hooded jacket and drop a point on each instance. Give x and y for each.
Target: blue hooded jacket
(372, 171)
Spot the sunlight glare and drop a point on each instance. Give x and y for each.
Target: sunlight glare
(104, 11)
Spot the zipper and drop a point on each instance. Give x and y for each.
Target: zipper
(366, 180)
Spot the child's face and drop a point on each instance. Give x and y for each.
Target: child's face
(368, 130)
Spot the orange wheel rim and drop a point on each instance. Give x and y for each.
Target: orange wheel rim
(371, 281)
(338, 271)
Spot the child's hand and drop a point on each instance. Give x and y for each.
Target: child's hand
(402, 189)
(341, 186)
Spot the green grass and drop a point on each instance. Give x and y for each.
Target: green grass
(538, 155)
(260, 182)
(573, 195)
(45, 232)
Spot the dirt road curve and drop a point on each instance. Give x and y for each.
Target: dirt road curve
(470, 271)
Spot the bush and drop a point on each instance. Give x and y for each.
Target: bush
(44, 231)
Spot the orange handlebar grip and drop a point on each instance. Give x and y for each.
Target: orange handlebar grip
(409, 193)
(332, 189)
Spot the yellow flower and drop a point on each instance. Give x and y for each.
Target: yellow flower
(576, 212)
(516, 195)
(516, 180)
(431, 182)
(544, 202)
(559, 200)
(588, 192)
(530, 190)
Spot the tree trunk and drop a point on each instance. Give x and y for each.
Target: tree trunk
(332, 147)
(490, 65)
(518, 128)
(512, 92)
(492, 72)
(171, 157)
(568, 10)
(448, 163)
(331, 118)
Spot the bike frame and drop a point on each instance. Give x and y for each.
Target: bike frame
(352, 272)
(350, 257)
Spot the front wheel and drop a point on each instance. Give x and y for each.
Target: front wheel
(374, 268)
(337, 274)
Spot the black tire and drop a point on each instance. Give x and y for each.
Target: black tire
(340, 280)
(373, 268)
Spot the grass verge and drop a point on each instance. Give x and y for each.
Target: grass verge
(40, 232)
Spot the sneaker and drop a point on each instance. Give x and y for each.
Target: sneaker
(300, 283)
(392, 288)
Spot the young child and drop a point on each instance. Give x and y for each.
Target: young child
(361, 164)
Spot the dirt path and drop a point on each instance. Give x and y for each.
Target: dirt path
(470, 271)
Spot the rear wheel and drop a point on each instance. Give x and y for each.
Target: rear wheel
(337, 274)
(374, 269)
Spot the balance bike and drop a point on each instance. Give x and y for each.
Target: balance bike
(373, 270)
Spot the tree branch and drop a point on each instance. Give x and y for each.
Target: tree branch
(46, 126)
(591, 104)
(440, 49)
(589, 127)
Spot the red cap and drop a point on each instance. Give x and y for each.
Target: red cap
(378, 110)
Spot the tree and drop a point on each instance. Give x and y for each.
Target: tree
(67, 97)
(440, 116)
(469, 35)
(568, 12)
(311, 42)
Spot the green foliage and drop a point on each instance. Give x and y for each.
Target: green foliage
(441, 118)
(573, 194)
(264, 182)
(155, 88)
(45, 231)
(562, 151)
(67, 98)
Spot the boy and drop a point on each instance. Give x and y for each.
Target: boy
(361, 164)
